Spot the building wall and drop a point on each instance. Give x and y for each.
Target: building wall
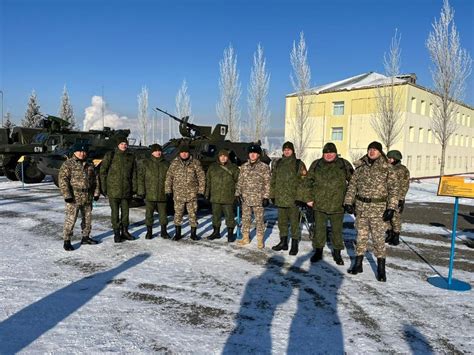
(351, 130)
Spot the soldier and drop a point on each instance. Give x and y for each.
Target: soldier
(79, 184)
(287, 174)
(403, 177)
(185, 182)
(221, 179)
(373, 190)
(151, 187)
(253, 191)
(118, 178)
(327, 182)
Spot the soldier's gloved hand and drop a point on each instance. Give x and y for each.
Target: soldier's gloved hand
(96, 197)
(265, 202)
(69, 200)
(169, 196)
(238, 200)
(401, 205)
(388, 215)
(349, 209)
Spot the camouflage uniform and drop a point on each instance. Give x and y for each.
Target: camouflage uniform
(253, 186)
(373, 189)
(78, 180)
(185, 179)
(403, 177)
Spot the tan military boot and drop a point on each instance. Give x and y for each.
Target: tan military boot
(260, 243)
(245, 239)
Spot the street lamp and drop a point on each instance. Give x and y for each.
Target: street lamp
(2, 106)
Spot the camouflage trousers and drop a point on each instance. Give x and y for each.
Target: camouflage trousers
(396, 222)
(122, 205)
(150, 208)
(375, 227)
(191, 207)
(289, 216)
(320, 236)
(72, 211)
(228, 210)
(247, 219)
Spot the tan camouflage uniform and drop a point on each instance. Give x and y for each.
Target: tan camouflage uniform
(253, 186)
(78, 180)
(403, 177)
(373, 189)
(185, 179)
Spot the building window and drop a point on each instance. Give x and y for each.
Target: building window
(450, 140)
(427, 163)
(430, 136)
(338, 108)
(418, 162)
(420, 135)
(435, 162)
(423, 107)
(337, 134)
(455, 162)
(463, 119)
(431, 110)
(461, 143)
(458, 118)
(411, 133)
(465, 163)
(469, 121)
(409, 162)
(456, 140)
(413, 105)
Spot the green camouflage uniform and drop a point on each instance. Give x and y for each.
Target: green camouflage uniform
(403, 177)
(220, 190)
(287, 174)
(151, 185)
(327, 184)
(185, 179)
(78, 180)
(253, 186)
(373, 189)
(118, 178)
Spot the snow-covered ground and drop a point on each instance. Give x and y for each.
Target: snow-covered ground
(211, 297)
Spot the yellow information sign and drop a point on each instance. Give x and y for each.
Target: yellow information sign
(456, 186)
(96, 162)
(21, 159)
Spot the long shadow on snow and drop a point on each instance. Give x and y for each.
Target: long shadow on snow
(315, 327)
(28, 324)
(417, 341)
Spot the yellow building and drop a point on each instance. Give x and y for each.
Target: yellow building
(341, 112)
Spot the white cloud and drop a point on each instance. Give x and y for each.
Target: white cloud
(93, 117)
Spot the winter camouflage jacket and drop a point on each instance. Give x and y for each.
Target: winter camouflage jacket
(78, 180)
(287, 176)
(254, 183)
(327, 184)
(118, 174)
(402, 175)
(185, 179)
(373, 188)
(220, 183)
(151, 178)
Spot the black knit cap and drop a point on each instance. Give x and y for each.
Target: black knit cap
(375, 145)
(155, 147)
(288, 145)
(121, 139)
(184, 148)
(329, 148)
(80, 147)
(394, 154)
(254, 148)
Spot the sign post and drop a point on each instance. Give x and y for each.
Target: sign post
(21, 160)
(453, 186)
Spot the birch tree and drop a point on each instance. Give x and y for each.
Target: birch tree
(32, 115)
(300, 80)
(451, 66)
(257, 124)
(183, 106)
(65, 109)
(387, 120)
(227, 108)
(143, 114)
(8, 122)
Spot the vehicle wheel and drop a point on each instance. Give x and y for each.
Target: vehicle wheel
(31, 173)
(10, 174)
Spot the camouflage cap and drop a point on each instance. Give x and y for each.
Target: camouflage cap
(121, 139)
(224, 152)
(329, 148)
(184, 148)
(394, 154)
(288, 145)
(254, 148)
(155, 147)
(80, 147)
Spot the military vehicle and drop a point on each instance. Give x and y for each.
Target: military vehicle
(206, 142)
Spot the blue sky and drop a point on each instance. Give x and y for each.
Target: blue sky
(123, 45)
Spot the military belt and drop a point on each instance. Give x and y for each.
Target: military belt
(371, 200)
(81, 190)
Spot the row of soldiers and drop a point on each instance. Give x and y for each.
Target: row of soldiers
(374, 192)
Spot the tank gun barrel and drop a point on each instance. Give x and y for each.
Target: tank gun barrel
(186, 129)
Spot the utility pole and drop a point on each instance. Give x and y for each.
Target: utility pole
(162, 128)
(1, 91)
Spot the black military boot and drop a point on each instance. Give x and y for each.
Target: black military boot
(117, 236)
(216, 233)
(395, 239)
(68, 246)
(381, 270)
(283, 245)
(294, 247)
(389, 237)
(125, 234)
(177, 235)
(317, 256)
(357, 268)
(337, 257)
(87, 240)
(230, 235)
(194, 233)
(149, 232)
(164, 233)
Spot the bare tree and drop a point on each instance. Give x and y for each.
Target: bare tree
(300, 79)
(183, 105)
(65, 109)
(8, 122)
(451, 68)
(228, 106)
(32, 115)
(143, 114)
(257, 124)
(387, 120)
